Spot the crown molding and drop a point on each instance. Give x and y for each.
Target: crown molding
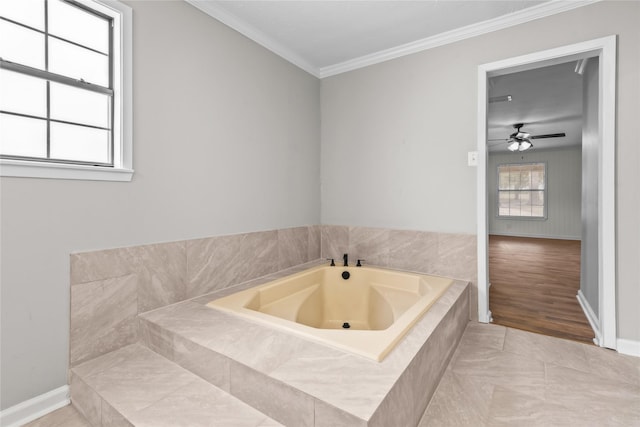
(249, 31)
(549, 8)
(515, 18)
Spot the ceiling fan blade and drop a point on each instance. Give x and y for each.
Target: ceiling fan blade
(549, 135)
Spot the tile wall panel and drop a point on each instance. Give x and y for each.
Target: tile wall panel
(110, 287)
(103, 317)
(442, 254)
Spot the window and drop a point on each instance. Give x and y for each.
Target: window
(63, 67)
(521, 190)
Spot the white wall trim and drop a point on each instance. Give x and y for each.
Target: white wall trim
(30, 169)
(605, 48)
(534, 236)
(629, 347)
(591, 316)
(516, 18)
(474, 30)
(230, 20)
(35, 408)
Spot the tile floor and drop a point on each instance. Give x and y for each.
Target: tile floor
(505, 377)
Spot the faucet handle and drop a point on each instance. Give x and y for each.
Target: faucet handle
(333, 264)
(359, 263)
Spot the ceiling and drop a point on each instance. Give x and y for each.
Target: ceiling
(330, 37)
(547, 100)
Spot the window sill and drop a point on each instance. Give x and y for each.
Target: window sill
(26, 169)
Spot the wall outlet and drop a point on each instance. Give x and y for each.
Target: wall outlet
(472, 158)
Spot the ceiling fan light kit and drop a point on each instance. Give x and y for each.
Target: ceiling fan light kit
(521, 141)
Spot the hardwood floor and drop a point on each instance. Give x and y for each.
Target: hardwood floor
(534, 283)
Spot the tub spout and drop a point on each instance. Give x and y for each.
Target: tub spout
(345, 257)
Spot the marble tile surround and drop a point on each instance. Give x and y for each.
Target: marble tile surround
(109, 288)
(442, 254)
(303, 383)
(135, 386)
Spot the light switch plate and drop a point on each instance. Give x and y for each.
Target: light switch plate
(472, 158)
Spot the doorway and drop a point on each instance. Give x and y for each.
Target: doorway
(603, 318)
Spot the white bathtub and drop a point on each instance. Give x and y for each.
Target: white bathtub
(379, 306)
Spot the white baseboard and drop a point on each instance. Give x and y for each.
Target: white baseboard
(34, 408)
(535, 236)
(629, 347)
(591, 317)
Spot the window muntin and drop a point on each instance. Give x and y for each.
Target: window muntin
(522, 190)
(78, 81)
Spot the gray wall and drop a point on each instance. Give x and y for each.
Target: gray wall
(395, 135)
(563, 195)
(226, 140)
(590, 144)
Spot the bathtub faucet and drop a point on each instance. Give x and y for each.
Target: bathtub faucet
(345, 257)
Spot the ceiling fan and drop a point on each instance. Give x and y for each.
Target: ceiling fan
(521, 141)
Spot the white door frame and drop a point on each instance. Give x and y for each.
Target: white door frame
(605, 49)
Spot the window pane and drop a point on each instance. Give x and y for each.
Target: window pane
(69, 142)
(27, 12)
(80, 106)
(22, 136)
(23, 94)
(514, 178)
(79, 26)
(525, 180)
(537, 179)
(78, 63)
(21, 45)
(525, 202)
(503, 207)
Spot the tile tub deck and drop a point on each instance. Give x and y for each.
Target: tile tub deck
(299, 382)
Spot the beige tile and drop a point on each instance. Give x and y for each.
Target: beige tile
(113, 418)
(105, 362)
(334, 241)
(101, 265)
(293, 247)
(140, 379)
(67, 416)
(339, 379)
(329, 416)
(457, 256)
(162, 271)
(208, 365)
(413, 250)
(103, 317)
(594, 396)
(369, 244)
(613, 365)
(515, 409)
(156, 338)
(484, 335)
(218, 262)
(426, 369)
(313, 248)
(269, 422)
(86, 400)
(459, 401)
(198, 404)
(561, 352)
(514, 372)
(281, 402)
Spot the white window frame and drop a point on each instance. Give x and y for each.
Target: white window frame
(122, 169)
(545, 197)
